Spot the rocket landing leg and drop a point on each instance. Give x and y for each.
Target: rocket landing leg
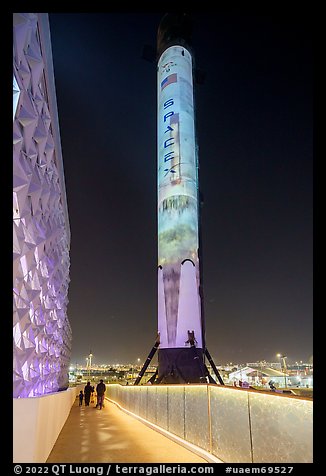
(184, 365)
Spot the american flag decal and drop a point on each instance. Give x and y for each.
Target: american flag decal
(172, 78)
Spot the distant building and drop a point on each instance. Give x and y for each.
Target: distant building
(41, 233)
(257, 376)
(264, 364)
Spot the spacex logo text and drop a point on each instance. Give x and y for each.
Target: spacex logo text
(170, 130)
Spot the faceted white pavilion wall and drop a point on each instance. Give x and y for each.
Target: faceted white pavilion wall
(41, 234)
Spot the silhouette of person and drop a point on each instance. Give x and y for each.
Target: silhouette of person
(92, 394)
(81, 396)
(100, 391)
(272, 386)
(87, 392)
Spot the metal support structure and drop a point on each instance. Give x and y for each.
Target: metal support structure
(148, 360)
(204, 372)
(197, 357)
(216, 372)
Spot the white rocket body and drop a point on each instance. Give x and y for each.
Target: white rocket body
(179, 306)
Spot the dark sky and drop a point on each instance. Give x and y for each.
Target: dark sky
(254, 131)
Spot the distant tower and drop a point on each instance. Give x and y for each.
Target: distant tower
(180, 326)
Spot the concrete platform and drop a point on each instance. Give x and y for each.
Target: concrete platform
(110, 435)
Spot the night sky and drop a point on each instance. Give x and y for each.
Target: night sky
(254, 131)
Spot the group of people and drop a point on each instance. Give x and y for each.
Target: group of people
(88, 390)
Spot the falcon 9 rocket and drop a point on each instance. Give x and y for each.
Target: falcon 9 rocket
(180, 324)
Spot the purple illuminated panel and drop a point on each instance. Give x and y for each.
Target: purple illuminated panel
(41, 234)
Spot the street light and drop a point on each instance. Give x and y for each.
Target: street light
(90, 359)
(282, 359)
(87, 365)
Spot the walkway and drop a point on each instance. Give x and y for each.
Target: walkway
(110, 435)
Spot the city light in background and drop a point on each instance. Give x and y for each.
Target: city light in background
(295, 376)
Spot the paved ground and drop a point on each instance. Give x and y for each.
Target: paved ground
(110, 435)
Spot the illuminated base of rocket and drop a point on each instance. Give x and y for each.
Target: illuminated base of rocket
(180, 355)
(183, 365)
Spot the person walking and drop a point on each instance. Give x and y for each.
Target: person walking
(81, 396)
(100, 391)
(93, 394)
(87, 392)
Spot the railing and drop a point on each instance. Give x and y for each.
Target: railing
(233, 424)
